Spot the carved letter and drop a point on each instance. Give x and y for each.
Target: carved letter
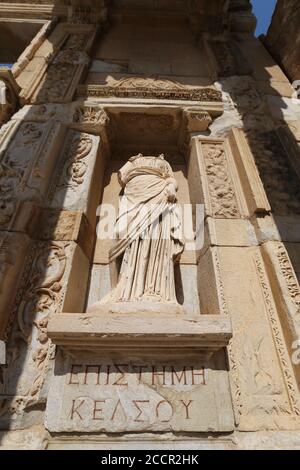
(178, 377)
(159, 404)
(118, 367)
(71, 374)
(135, 402)
(115, 410)
(97, 410)
(75, 410)
(186, 405)
(198, 374)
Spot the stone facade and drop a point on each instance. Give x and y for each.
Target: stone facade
(99, 84)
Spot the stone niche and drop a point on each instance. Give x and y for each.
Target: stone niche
(139, 367)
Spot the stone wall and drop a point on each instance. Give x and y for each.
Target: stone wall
(87, 96)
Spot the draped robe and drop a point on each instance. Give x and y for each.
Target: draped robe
(148, 232)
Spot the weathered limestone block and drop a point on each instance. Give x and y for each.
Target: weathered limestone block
(135, 393)
(286, 293)
(264, 388)
(211, 291)
(250, 180)
(285, 228)
(33, 438)
(54, 277)
(229, 232)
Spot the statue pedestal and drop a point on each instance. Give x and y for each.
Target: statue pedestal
(103, 330)
(137, 308)
(124, 367)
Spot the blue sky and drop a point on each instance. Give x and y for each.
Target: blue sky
(263, 10)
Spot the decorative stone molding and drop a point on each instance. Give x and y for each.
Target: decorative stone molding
(50, 273)
(212, 162)
(90, 118)
(27, 159)
(33, 10)
(60, 67)
(71, 184)
(287, 370)
(264, 389)
(196, 120)
(286, 291)
(122, 331)
(9, 92)
(32, 48)
(148, 88)
(82, 116)
(257, 200)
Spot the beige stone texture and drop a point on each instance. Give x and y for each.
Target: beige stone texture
(94, 83)
(277, 440)
(284, 228)
(171, 51)
(158, 396)
(126, 327)
(262, 377)
(211, 292)
(229, 232)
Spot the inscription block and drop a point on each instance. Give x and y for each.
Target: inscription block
(121, 394)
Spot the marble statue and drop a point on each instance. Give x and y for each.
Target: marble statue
(148, 232)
